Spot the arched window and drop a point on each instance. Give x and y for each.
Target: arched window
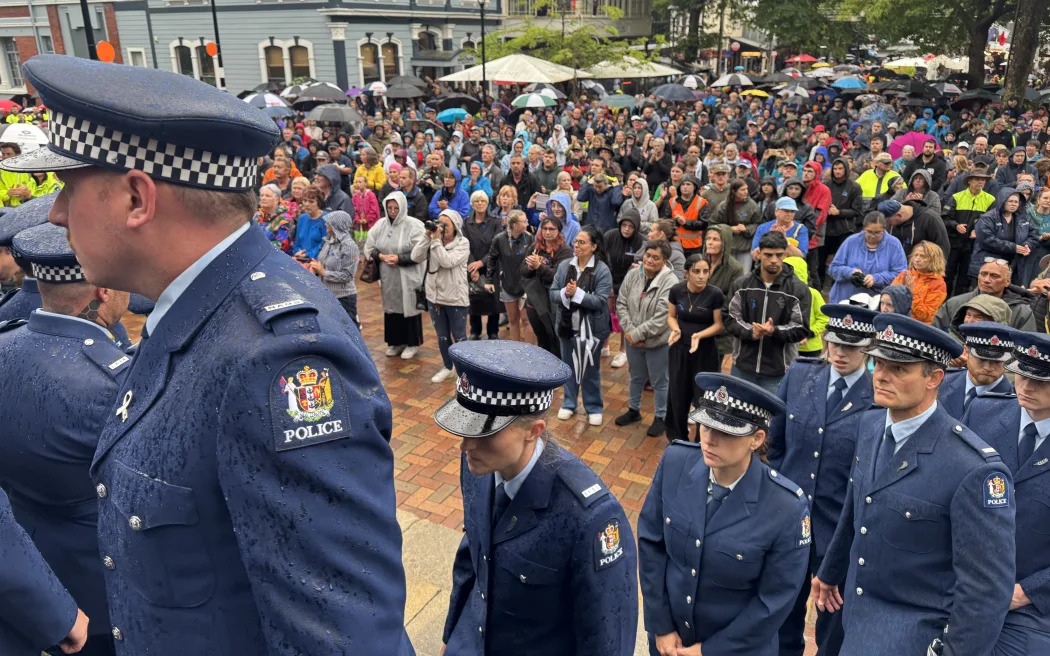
(427, 41)
(369, 54)
(184, 58)
(274, 64)
(206, 64)
(391, 60)
(300, 59)
(469, 45)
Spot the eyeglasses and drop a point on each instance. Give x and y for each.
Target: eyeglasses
(582, 242)
(997, 260)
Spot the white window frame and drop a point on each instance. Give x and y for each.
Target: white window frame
(381, 60)
(141, 51)
(285, 45)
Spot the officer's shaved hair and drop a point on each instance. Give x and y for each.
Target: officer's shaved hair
(217, 206)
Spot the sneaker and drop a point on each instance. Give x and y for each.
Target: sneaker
(474, 337)
(657, 428)
(629, 417)
(493, 336)
(566, 414)
(595, 419)
(391, 351)
(605, 351)
(409, 352)
(442, 376)
(619, 360)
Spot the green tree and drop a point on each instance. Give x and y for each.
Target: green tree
(806, 25)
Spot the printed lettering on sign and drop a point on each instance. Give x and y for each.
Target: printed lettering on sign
(608, 549)
(308, 404)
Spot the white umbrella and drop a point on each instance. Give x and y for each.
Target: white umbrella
(551, 93)
(377, 88)
(733, 80)
(517, 69)
(692, 82)
(28, 137)
(533, 100)
(263, 100)
(631, 68)
(821, 73)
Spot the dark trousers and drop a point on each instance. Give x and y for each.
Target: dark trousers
(957, 269)
(829, 631)
(491, 329)
(830, 247)
(682, 391)
(399, 330)
(96, 645)
(349, 304)
(813, 264)
(543, 328)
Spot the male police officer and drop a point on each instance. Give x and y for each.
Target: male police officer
(245, 479)
(20, 301)
(548, 563)
(1018, 428)
(814, 443)
(35, 610)
(51, 427)
(988, 347)
(924, 539)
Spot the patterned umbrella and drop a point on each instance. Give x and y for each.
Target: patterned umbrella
(533, 100)
(692, 82)
(877, 111)
(733, 80)
(376, 88)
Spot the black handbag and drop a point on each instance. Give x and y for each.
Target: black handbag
(370, 271)
(421, 291)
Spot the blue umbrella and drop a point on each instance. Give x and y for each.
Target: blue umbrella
(849, 82)
(452, 115)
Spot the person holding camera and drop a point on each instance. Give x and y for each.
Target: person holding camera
(867, 261)
(445, 252)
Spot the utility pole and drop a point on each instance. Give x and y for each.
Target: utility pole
(219, 72)
(89, 32)
(484, 80)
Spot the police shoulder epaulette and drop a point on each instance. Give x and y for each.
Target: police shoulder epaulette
(695, 445)
(997, 395)
(806, 359)
(785, 482)
(106, 355)
(8, 295)
(583, 482)
(11, 324)
(277, 304)
(976, 443)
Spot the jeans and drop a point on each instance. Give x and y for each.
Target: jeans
(592, 380)
(349, 304)
(651, 364)
(492, 325)
(450, 323)
(768, 383)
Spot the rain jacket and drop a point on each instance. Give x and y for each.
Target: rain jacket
(446, 273)
(50, 184)
(647, 210)
(594, 306)
(482, 184)
(337, 198)
(818, 321)
(931, 198)
(309, 234)
(366, 208)
(571, 228)
(8, 181)
(950, 316)
(620, 251)
(397, 237)
(503, 262)
(601, 208)
(729, 268)
(937, 168)
(537, 282)
(872, 187)
(339, 255)
(901, 297)
(747, 214)
(997, 238)
(375, 176)
(643, 311)
(1007, 175)
(846, 196)
(818, 196)
(457, 199)
(786, 301)
(926, 123)
(884, 263)
(805, 215)
(928, 293)
(964, 208)
(924, 225)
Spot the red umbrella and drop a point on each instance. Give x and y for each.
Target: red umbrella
(914, 139)
(9, 106)
(802, 59)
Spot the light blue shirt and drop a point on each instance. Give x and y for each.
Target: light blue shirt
(981, 389)
(1042, 428)
(512, 486)
(902, 430)
(186, 278)
(849, 378)
(105, 332)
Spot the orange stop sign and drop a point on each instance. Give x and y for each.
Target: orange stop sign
(105, 51)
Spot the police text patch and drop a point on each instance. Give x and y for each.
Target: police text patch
(308, 404)
(996, 491)
(607, 547)
(805, 529)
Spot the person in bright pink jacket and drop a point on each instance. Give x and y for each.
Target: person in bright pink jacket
(366, 207)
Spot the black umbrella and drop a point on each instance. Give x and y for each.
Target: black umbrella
(451, 100)
(333, 113)
(407, 79)
(422, 125)
(975, 97)
(320, 93)
(806, 83)
(673, 93)
(399, 91)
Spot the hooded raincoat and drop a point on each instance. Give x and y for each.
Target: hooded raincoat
(398, 237)
(999, 239)
(571, 226)
(647, 210)
(747, 215)
(339, 255)
(446, 279)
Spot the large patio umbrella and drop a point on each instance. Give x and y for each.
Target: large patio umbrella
(629, 68)
(802, 59)
(673, 93)
(517, 69)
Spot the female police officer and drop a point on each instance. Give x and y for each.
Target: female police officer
(723, 540)
(547, 566)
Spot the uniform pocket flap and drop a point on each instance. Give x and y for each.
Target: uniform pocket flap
(527, 571)
(148, 502)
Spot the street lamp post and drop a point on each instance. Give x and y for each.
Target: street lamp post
(484, 79)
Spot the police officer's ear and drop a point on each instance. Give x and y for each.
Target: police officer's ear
(142, 194)
(535, 429)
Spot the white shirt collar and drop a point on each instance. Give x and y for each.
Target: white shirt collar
(576, 263)
(849, 378)
(186, 278)
(512, 486)
(711, 480)
(105, 331)
(902, 430)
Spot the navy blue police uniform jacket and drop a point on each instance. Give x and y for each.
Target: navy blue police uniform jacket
(730, 584)
(36, 612)
(998, 420)
(246, 477)
(19, 303)
(557, 576)
(814, 449)
(924, 545)
(51, 429)
(952, 393)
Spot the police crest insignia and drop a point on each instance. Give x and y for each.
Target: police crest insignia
(847, 321)
(806, 528)
(306, 399)
(608, 548)
(996, 491)
(994, 341)
(722, 395)
(309, 394)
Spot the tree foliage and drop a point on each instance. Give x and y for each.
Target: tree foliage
(805, 25)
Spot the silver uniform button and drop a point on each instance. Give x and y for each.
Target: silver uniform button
(483, 596)
(907, 515)
(791, 416)
(816, 454)
(108, 562)
(863, 530)
(809, 496)
(522, 578)
(688, 600)
(135, 522)
(860, 561)
(867, 499)
(88, 341)
(100, 490)
(773, 473)
(667, 521)
(484, 557)
(698, 544)
(687, 625)
(481, 629)
(813, 476)
(740, 556)
(820, 431)
(117, 635)
(860, 591)
(693, 572)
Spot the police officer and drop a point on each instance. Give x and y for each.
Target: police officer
(50, 437)
(814, 441)
(548, 563)
(987, 348)
(35, 610)
(17, 303)
(923, 542)
(723, 539)
(244, 477)
(1017, 426)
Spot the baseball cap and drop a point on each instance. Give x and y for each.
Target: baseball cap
(883, 157)
(889, 207)
(787, 203)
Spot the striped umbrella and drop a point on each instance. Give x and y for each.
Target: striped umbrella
(533, 100)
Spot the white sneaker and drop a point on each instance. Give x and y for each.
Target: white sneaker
(595, 419)
(391, 351)
(605, 351)
(565, 414)
(409, 352)
(442, 376)
(619, 360)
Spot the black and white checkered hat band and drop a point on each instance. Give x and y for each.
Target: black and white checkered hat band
(93, 142)
(58, 274)
(504, 402)
(721, 397)
(1031, 353)
(973, 340)
(858, 327)
(915, 347)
